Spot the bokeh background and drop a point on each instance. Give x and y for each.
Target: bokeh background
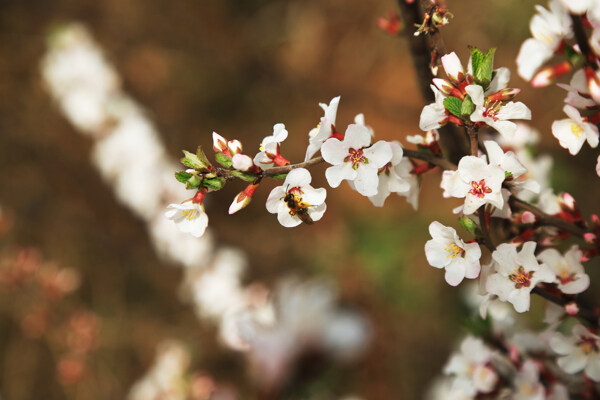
(238, 67)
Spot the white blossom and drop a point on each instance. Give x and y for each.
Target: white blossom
(355, 159)
(395, 177)
(471, 367)
(548, 28)
(477, 181)
(434, 115)
(270, 148)
(574, 131)
(570, 274)
(189, 217)
(296, 199)
(447, 250)
(323, 131)
(527, 383)
(496, 114)
(517, 274)
(579, 352)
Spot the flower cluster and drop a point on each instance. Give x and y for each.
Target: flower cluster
(554, 32)
(475, 98)
(375, 170)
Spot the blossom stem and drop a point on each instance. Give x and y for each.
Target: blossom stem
(473, 140)
(487, 240)
(287, 168)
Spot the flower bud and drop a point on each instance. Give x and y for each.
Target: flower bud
(503, 95)
(242, 199)
(547, 75)
(219, 143)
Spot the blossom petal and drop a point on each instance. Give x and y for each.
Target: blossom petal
(379, 154)
(336, 174)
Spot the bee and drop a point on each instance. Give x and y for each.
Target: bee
(298, 208)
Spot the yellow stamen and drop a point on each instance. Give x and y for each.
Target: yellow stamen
(452, 250)
(189, 214)
(576, 129)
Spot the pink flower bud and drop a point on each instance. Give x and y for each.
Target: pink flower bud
(390, 24)
(504, 95)
(572, 308)
(242, 199)
(593, 83)
(235, 146)
(589, 237)
(219, 143)
(547, 75)
(528, 217)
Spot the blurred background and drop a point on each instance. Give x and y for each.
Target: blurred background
(236, 67)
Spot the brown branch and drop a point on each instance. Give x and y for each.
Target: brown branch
(582, 41)
(440, 162)
(584, 313)
(421, 49)
(546, 219)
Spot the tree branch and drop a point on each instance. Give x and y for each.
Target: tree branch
(546, 219)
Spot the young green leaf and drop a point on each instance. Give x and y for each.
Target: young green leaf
(202, 157)
(467, 107)
(194, 182)
(483, 75)
(469, 225)
(192, 161)
(213, 183)
(453, 105)
(224, 160)
(182, 176)
(476, 58)
(243, 176)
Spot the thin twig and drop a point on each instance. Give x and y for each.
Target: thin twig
(485, 233)
(287, 168)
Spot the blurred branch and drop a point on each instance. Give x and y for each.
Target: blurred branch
(425, 50)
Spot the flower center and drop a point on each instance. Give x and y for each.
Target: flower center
(588, 345)
(479, 189)
(564, 276)
(356, 157)
(521, 278)
(453, 250)
(576, 129)
(492, 110)
(189, 214)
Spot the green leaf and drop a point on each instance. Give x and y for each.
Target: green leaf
(202, 157)
(224, 160)
(469, 225)
(467, 106)
(213, 183)
(182, 176)
(453, 105)
(243, 176)
(576, 59)
(193, 182)
(192, 161)
(280, 176)
(476, 58)
(483, 75)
